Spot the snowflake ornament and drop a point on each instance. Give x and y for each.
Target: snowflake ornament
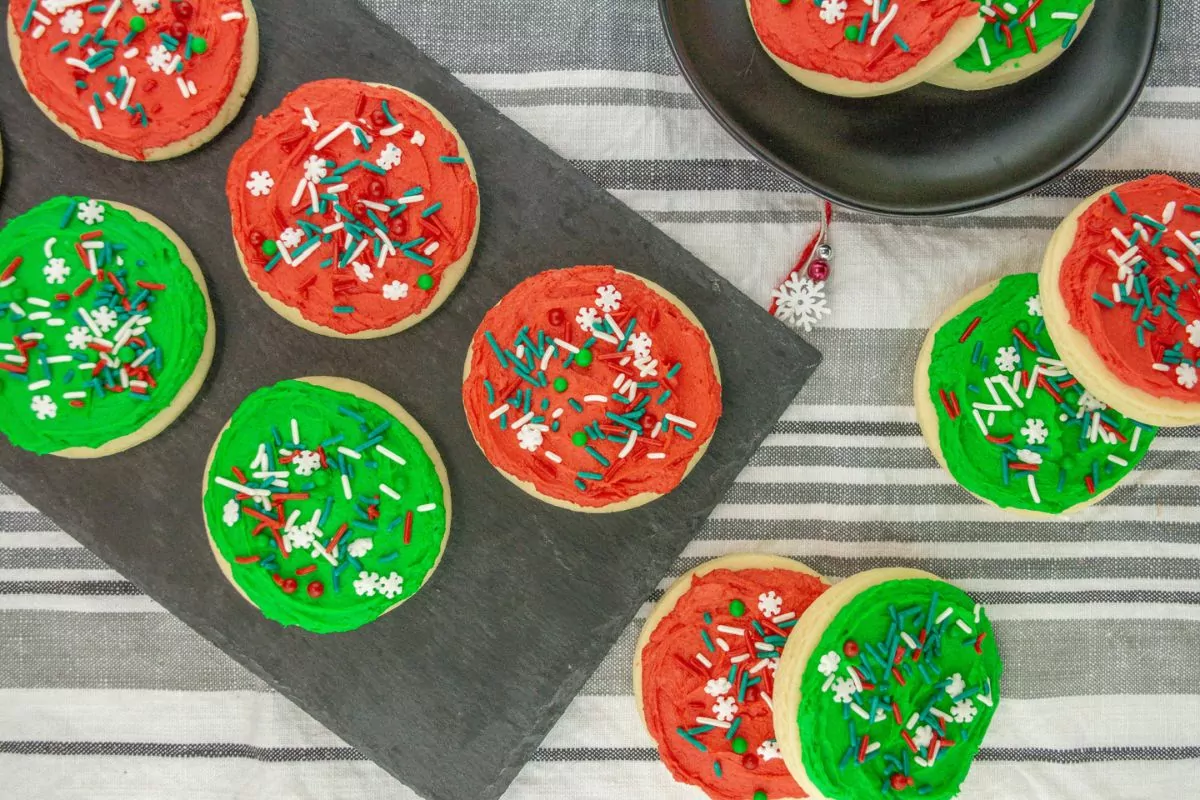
(360, 547)
(299, 537)
(833, 11)
(829, 663)
(770, 604)
(145, 6)
(56, 271)
(159, 58)
(389, 157)
(260, 183)
(1185, 375)
(769, 750)
(1035, 431)
(800, 303)
(529, 437)
(923, 736)
(1029, 456)
(78, 337)
(315, 169)
(105, 319)
(396, 290)
(366, 584)
(608, 298)
(725, 709)
(71, 22)
(306, 462)
(291, 237)
(1034, 306)
(717, 687)
(392, 585)
(1193, 332)
(640, 343)
(957, 685)
(231, 513)
(44, 407)
(363, 271)
(1007, 358)
(964, 710)
(91, 212)
(1088, 402)
(587, 318)
(843, 690)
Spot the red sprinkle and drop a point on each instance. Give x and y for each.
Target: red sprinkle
(1021, 338)
(237, 473)
(896, 713)
(10, 269)
(850, 648)
(83, 287)
(96, 234)
(970, 329)
(899, 678)
(979, 642)
(909, 741)
(408, 522)
(999, 439)
(1090, 484)
(247, 559)
(1021, 466)
(306, 570)
(862, 748)
(337, 537)
(156, 287)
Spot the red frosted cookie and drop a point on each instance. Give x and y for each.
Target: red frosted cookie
(591, 388)
(704, 673)
(139, 79)
(355, 208)
(857, 49)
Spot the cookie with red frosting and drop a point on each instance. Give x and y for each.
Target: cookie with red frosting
(591, 388)
(355, 208)
(143, 80)
(1120, 287)
(856, 49)
(704, 673)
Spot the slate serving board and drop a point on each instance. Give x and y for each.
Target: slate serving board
(451, 692)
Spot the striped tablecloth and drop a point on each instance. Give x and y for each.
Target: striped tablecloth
(104, 695)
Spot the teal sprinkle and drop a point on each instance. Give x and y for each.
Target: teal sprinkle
(693, 741)
(1116, 198)
(580, 485)
(58, 48)
(343, 309)
(708, 642)
(433, 209)
(575, 404)
(387, 112)
(594, 454)
(591, 476)
(451, 159)
(900, 42)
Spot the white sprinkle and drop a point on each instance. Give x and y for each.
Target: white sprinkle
(346, 486)
(298, 195)
(656, 456)
(739, 659)
(854, 676)
(346, 451)
(295, 432)
(687, 423)
(129, 84)
(1120, 462)
(231, 16)
(966, 628)
(1161, 367)
(55, 323)
(942, 616)
(700, 657)
(912, 721)
(721, 643)
(1168, 213)
(978, 609)
(83, 65)
(1133, 443)
(131, 53)
(595, 398)
(33, 387)
(716, 723)
(628, 445)
(389, 491)
(392, 130)
(37, 315)
(937, 712)
(74, 395)
(183, 87)
(657, 430)
(828, 682)
(857, 709)
(983, 50)
(920, 762)
(784, 617)
(1183, 237)
(986, 699)
(95, 115)
(770, 648)
(555, 457)
(882, 24)
(426, 507)
(1174, 262)
(237, 487)
(766, 698)
(908, 640)
(732, 631)
(1063, 15)
(336, 132)
(299, 258)
(1037, 498)
(566, 346)
(383, 451)
(518, 423)
(558, 412)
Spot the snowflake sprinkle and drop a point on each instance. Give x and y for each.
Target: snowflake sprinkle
(71, 22)
(366, 584)
(833, 11)
(260, 183)
(145, 6)
(363, 271)
(587, 318)
(231, 513)
(843, 690)
(389, 157)
(105, 318)
(43, 406)
(291, 237)
(770, 604)
(1185, 374)
(91, 212)
(1007, 358)
(396, 290)
(769, 750)
(725, 709)
(717, 687)
(529, 437)
(829, 663)
(923, 736)
(78, 337)
(1035, 431)
(360, 547)
(159, 58)
(56, 271)
(1034, 306)
(1193, 331)
(963, 711)
(608, 298)
(392, 585)
(306, 462)
(800, 303)
(314, 169)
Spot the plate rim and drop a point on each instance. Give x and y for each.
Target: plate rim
(763, 153)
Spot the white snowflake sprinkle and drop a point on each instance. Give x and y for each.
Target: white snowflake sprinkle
(54, 6)
(923, 736)
(769, 750)
(159, 58)
(1185, 374)
(306, 462)
(389, 157)
(396, 290)
(529, 437)
(800, 303)
(71, 22)
(291, 238)
(587, 318)
(829, 663)
(1193, 331)
(231, 513)
(717, 687)
(843, 690)
(640, 343)
(1088, 402)
(78, 337)
(770, 604)
(43, 406)
(145, 6)
(299, 537)
(1029, 457)
(963, 711)
(1034, 306)
(1007, 358)
(957, 685)
(608, 298)
(366, 584)
(260, 183)
(56, 270)
(725, 709)
(105, 319)
(360, 547)
(833, 11)
(1035, 431)
(392, 585)
(315, 169)
(363, 271)
(91, 212)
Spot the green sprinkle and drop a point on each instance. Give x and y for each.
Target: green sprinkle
(737, 608)
(137, 23)
(425, 282)
(708, 642)
(560, 384)
(584, 357)
(740, 745)
(343, 309)
(433, 209)
(579, 438)
(199, 45)
(1116, 198)
(451, 159)
(270, 247)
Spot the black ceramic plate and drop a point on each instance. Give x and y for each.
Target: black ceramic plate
(927, 150)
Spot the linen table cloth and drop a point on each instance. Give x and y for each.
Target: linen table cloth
(105, 695)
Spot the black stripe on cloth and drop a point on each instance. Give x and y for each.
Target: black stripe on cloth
(90, 588)
(48, 558)
(898, 494)
(909, 429)
(1012, 529)
(1088, 596)
(23, 521)
(1013, 569)
(874, 458)
(1081, 755)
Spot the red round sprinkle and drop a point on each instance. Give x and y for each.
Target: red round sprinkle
(900, 782)
(316, 589)
(556, 316)
(288, 585)
(177, 29)
(375, 189)
(750, 761)
(182, 9)
(256, 238)
(850, 648)
(818, 270)
(378, 118)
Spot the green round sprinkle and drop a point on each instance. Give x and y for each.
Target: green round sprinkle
(137, 24)
(584, 358)
(737, 607)
(199, 45)
(740, 746)
(270, 247)
(852, 33)
(425, 282)
(560, 384)
(579, 438)
(760, 795)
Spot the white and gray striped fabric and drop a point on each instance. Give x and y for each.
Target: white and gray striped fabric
(104, 695)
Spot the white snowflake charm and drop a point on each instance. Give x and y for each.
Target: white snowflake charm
(800, 303)
(833, 11)
(1029, 456)
(963, 711)
(298, 537)
(843, 690)
(957, 685)
(717, 687)
(923, 736)
(725, 709)
(78, 337)
(769, 750)
(291, 238)
(1185, 374)
(587, 318)
(1193, 332)
(829, 663)
(91, 212)
(71, 22)
(608, 298)
(260, 183)
(529, 437)
(56, 271)
(314, 169)
(1035, 431)
(363, 271)
(44, 407)
(1007, 359)
(360, 547)
(231, 513)
(392, 585)
(105, 319)
(396, 290)
(366, 584)
(770, 604)
(640, 343)
(389, 157)
(145, 6)
(1034, 306)
(54, 6)
(159, 59)
(306, 462)
(1089, 402)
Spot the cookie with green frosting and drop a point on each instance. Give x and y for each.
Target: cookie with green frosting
(327, 505)
(106, 330)
(1019, 38)
(887, 688)
(1006, 419)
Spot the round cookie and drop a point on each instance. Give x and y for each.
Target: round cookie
(142, 80)
(846, 48)
(591, 388)
(703, 672)
(355, 208)
(887, 687)
(106, 330)
(1119, 287)
(326, 504)
(1014, 46)
(1005, 417)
